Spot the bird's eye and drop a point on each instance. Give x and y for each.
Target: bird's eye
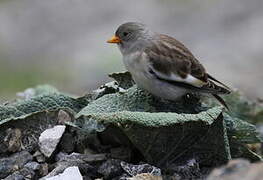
(125, 34)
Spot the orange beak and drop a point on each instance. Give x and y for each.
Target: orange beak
(114, 39)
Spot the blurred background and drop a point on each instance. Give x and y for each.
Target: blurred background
(62, 42)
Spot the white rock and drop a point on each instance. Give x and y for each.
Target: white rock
(50, 138)
(71, 173)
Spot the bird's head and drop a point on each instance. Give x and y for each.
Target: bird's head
(131, 36)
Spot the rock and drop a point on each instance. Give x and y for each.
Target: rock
(133, 170)
(32, 165)
(238, 169)
(187, 169)
(67, 143)
(145, 176)
(24, 173)
(60, 166)
(63, 117)
(50, 138)
(111, 168)
(69, 174)
(14, 162)
(15, 176)
(43, 169)
(60, 156)
(13, 139)
(39, 157)
(88, 158)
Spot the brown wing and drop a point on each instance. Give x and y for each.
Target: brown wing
(168, 55)
(173, 62)
(186, 58)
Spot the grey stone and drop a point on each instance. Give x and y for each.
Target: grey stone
(43, 169)
(186, 169)
(24, 173)
(39, 157)
(15, 176)
(60, 156)
(50, 138)
(88, 158)
(111, 168)
(14, 162)
(13, 139)
(32, 165)
(133, 170)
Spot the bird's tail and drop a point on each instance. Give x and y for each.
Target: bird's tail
(221, 101)
(220, 90)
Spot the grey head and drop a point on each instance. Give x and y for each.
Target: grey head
(133, 36)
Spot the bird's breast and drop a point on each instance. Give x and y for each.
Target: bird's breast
(132, 60)
(137, 64)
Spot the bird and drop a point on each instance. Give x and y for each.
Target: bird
(162, 65)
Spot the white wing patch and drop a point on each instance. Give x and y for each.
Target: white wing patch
(174, 77)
